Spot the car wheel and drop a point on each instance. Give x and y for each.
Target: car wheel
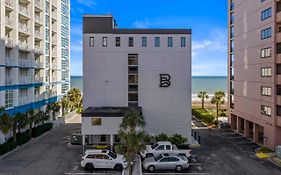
(179, 168)
(89, 167)
(118, 167)
(151, 168)
(149, 155)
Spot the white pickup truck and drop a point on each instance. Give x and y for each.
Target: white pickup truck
(165, 147)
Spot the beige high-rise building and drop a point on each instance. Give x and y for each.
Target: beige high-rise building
(34, 53)
(255, 70)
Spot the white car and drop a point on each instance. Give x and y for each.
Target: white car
(105, 159)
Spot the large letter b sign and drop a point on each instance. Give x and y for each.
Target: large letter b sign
(165, 80)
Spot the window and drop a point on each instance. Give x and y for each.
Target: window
(266, 33)
(165, 159)
(266, 91)
(266, 52)
(144, 42)
(183, 41)
(8, 99)
(266, 14)
(278, 69)
(278, 110)
(278, 90)
(104, 41)
(131, 42)
(266, 110)
(117, 41)
(278, 48)
(103, 138)
(174, 159)
(161, 147)
(92, 42)
(157, 42)
(168, 147)
(170, 42)
(96, 121)
(266, 72)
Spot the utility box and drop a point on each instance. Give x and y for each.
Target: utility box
(278, 151)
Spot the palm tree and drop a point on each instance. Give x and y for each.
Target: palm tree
(55, 107)
(203, 95)
(5, 121)
(21, 119)
(64, 104)
(218, 100)
(133, 140)
(74, 96)
(30, 120)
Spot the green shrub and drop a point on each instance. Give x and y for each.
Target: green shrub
(177, 139)
(6, 147)
(203, 115)
(39, 130)
(162, 137)
(22, 138)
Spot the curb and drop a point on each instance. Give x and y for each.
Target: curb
(32, 140)
(270, 160)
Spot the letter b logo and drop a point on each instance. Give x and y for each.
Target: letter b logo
(165, 80)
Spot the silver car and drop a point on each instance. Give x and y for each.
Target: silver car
(166, 162)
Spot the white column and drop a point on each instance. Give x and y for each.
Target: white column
(83, 144)
(111, 142)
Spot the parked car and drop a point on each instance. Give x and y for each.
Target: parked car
(166, 162)
(224, 125)
(105, 159)
(165, 147)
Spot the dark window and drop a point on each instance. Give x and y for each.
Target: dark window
(174, 159)
(278, 90)
(92, 42)
(103, 138)
(165, 159)
(266, 33)
(278, 6)
(168, 147)
(278, 69)
(278, 112)
(131, 42)
(183, 41)
(133, 97)
(133, 87)
(170, 42)
(157, 42)
(278, 48)
(117, 41)
(144, 42)
(266, 14)
(96, 121)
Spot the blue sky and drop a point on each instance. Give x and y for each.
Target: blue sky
(207, 19)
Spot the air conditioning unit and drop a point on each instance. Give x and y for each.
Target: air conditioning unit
(278, 151)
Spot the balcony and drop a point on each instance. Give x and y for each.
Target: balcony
(25, 63)
(53, 93)
(39, 97)
(9, 4)
(38, 19)
(38, 50)
(38, 35)
(54, 54)
(54, 41)
(9, 62)
(23, 100)
(24, 46)
(24, 11)
(54, 79)
(38, 4)
(54, 66)
(54, 15)
(9, 22)
(8, 81)
(24, 29)
(9, 43)
(38, 65)
(25, 80)
(38, 79)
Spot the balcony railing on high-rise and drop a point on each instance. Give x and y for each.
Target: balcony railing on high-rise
(9, 22)
(9, 42)
(10, 62)
(25, 63)
(25, 80)
(24, 46)
(24, 11)
(24, 28)
(9, 3)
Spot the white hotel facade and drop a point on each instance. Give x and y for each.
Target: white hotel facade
(34, 53)
(145, 69)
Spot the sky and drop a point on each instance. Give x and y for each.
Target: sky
(207, 19)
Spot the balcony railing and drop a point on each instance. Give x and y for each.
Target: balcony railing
(8, 81)
(38, 34)
(25, 80)
(38, 3)
(39, 97)
(10, 62)
(38, 79)
(24, 46)
(8, 22)
(25, 63)
(23, 100)
(53, 93)
(23, 28)
(9, 3)
(54, 66)
(38, 19)
(24, 11)
(38, 65)
(9, 42)
(38, 50)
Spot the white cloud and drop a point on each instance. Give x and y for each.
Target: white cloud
(76, 46)
(88, 3)
(141, 24)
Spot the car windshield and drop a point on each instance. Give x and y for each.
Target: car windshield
(113, 155)
(158, 157)
(154, 145)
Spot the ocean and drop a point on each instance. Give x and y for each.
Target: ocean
(210, 84)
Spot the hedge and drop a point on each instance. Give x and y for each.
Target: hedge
(203, 115)
(24, 137)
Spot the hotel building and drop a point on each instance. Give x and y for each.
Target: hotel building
(145, 69)
(34, 53)
(254, 69)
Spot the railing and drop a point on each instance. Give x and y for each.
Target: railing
(24, 46)
(38, 79)
(39, 97)
(24, 28)
(8, 81)
(9, 42)
(38, 19)
(24, 11)
(9, 3)
(23, 100)
(38, 34)
(8, 21)
(37, 3)
(38, 50)
(25, 80)
(25, 63)
(38, 65)
(10, 62)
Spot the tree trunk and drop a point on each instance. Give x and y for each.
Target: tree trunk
(203, 103)
(217, 112)
(131, 169)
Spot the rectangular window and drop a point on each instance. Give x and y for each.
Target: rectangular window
(265, 91)
(266, 52)
(266, 110)
(96, 121)
(8, 99)
(266, 14)
(104, 41)
(278, 69)
(170, 42)
(266, 72)
(278, 110)
(131, 41)
(183, 42)
(144, 42)
(103, 138)
(117, 41)
(157, 42)
(266, 33)
(92, 42)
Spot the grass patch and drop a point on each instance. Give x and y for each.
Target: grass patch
(206, 116)
(263, 150)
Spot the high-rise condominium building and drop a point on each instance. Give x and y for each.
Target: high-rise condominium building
(34, 53)
(145, 69)
(255, 70)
